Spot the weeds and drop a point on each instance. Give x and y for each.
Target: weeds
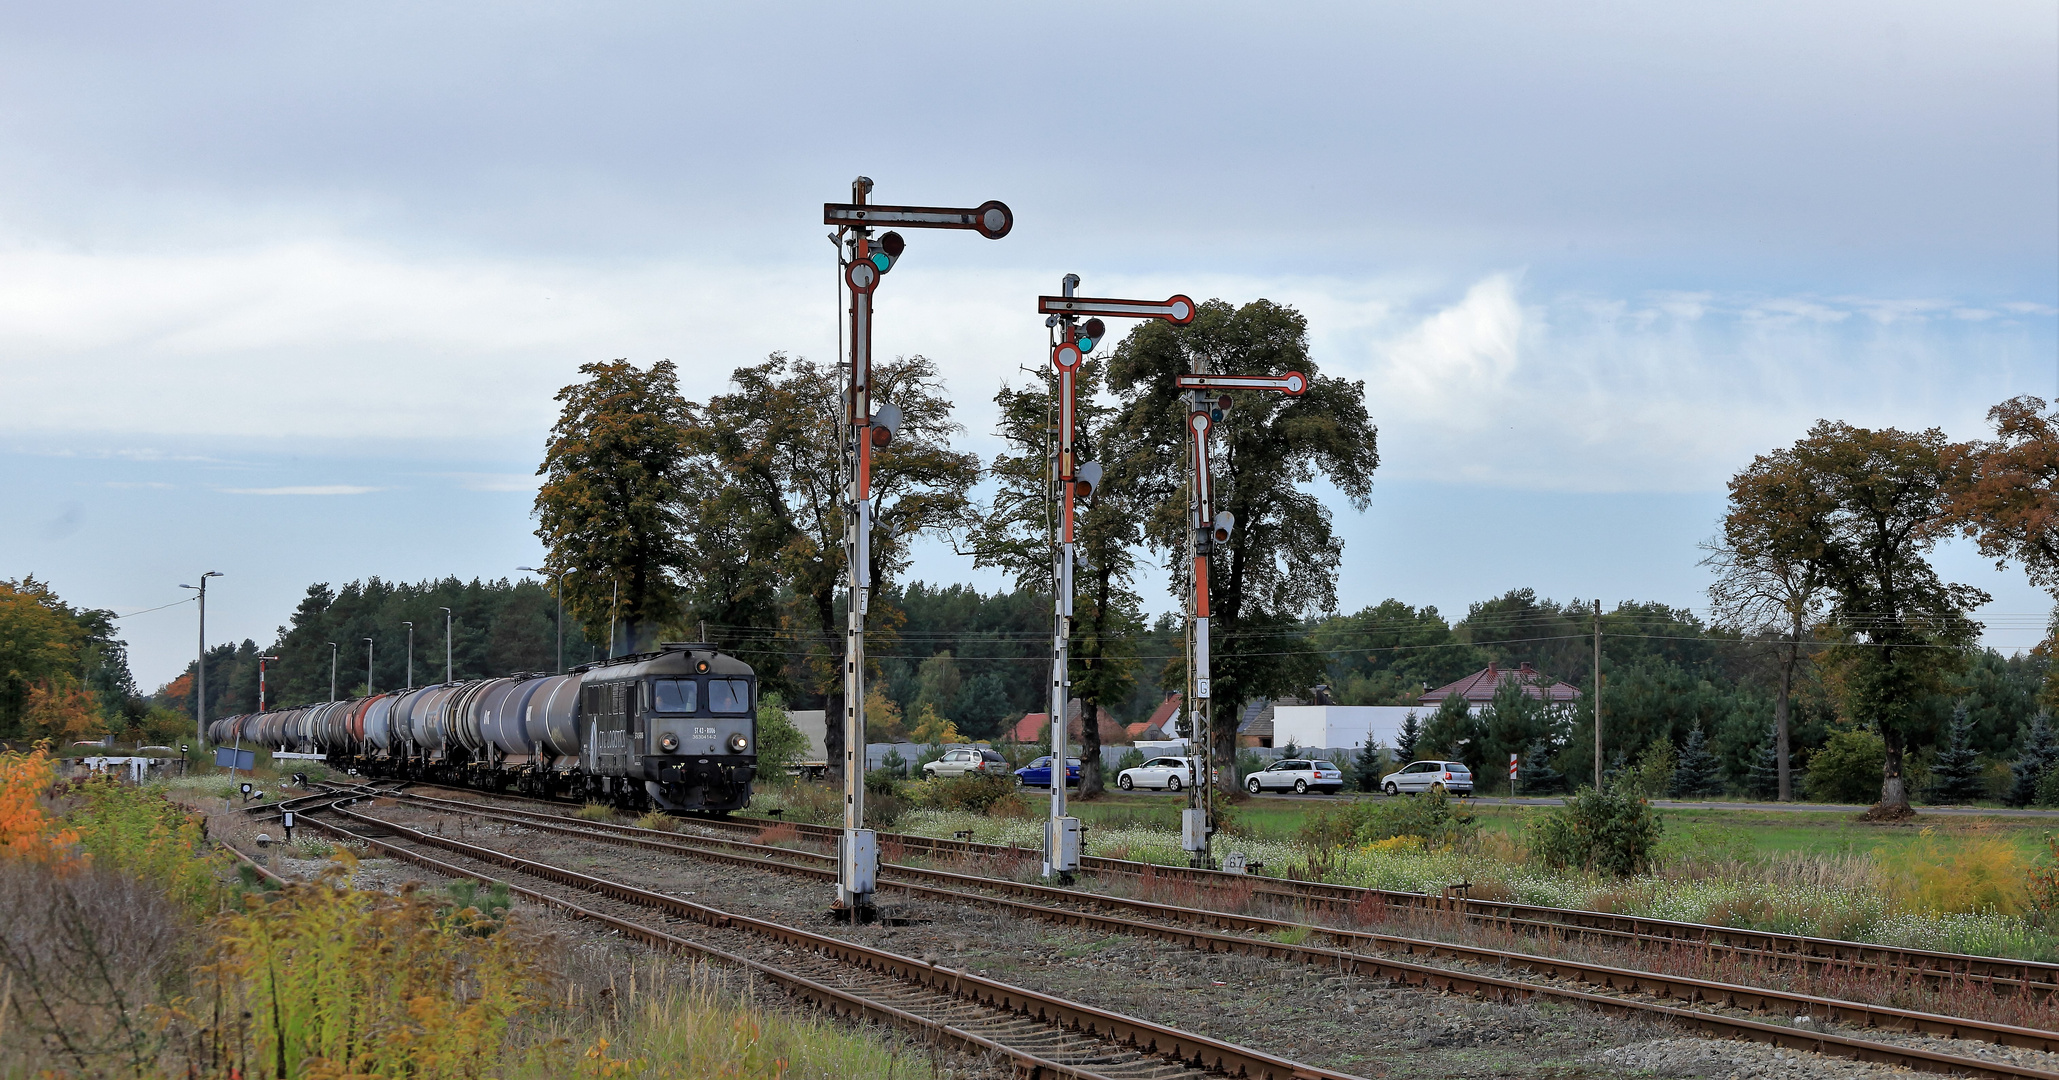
(594, 811)
(658, 821)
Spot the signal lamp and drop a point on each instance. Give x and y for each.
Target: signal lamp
(1086, 479)
(701, 667)
(887, 251)
(1089, 333)
(737, 743)
(1225, 523)
(885, 422)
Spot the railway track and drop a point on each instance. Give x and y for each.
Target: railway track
(1352, 904)
(1346, 952)
(1042, 1035)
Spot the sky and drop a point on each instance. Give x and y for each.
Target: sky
(286, 291)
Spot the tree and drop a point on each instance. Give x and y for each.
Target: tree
(1955, 775)
(2005, 496)
(770, 501)
(1367, 765)
(1770, 574)
(1762, 780)
(1869, 506)
(1408, 737)
(611, 510)
(1453, 731)
(1015, 533)
(2040, 751)
(1280, 563)
(1537, 776)
(63, 674)
(1697, 773)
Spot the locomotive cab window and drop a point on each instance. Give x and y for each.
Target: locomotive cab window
(676, 695)
(729, 695)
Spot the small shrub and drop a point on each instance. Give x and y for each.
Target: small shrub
(1131, 758)
(1433, 818)
(1612, 831)
(1848, 768)
(1011, 805)
(883, 811)
(970, 791)
(594, 811)
(882, 781)
(659, 821)
(1969, 873)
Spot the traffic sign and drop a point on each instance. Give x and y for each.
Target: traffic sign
(990, 219)
(1175, 309)
(1293, 382)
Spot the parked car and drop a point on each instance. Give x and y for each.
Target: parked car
(1419, 776)
(1038, 773)
(967, 759)
(1298, 774)
(1169, 773)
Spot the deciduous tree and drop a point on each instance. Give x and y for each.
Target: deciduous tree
(612, 506)
(1280, 564)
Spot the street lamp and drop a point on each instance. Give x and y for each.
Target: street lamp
(560, 575)
(411, 654)
(333, 647)
(368, 667)
(446, 644)
(200, 664)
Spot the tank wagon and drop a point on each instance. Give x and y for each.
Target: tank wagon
(674, 729)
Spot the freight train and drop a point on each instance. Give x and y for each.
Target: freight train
(674, 729)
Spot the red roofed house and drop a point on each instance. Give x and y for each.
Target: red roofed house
(1163, 720)
(1036, 725)
(1479, 687)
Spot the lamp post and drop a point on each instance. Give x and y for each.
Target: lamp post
(333, 649)
(560, 575)
(411, 654)
(200, 663)
(446, 644)
(368, 667)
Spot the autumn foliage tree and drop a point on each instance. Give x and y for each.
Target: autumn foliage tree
(2006, 497)
(611, 508)
(63, 676)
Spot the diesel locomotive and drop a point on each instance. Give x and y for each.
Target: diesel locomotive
(675, 729)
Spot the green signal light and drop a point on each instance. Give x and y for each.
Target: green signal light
(887, 251)
(882, 260)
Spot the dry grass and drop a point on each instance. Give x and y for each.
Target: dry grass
(594, 811)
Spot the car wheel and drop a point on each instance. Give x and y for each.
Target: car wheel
(1393, 788)
(1125, 783)
(1300, 787)
(1251, 785)
(1172, 783)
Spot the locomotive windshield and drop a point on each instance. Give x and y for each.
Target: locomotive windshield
(729, 695)
(676, 695)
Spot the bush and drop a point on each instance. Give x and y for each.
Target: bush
(1130, 759)
(1433, 819)
(780, 743)
(882, 781)
(1612, 831)
(1848, 768)
(970, 791)
(1969, 873)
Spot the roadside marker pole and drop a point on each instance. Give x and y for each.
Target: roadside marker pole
(1073, 480)
(1207, 404)
(863, 260)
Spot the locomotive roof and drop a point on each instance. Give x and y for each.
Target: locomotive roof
(674, 659)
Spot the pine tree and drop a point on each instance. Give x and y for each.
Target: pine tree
(1955, 775)
(1697, 772)
(1538, 777)
(1763, 779)
(2040, 752)
(1411, 733)
(1368, 766)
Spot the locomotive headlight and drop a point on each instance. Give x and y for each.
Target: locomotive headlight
(669, 744)
(737, 743)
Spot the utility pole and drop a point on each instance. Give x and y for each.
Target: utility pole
(614, 605)
(200, 663)
(560, 574)
(368, 667)
(446, 644)
(1597, 693)
(333, 649)
(1073, 480)
(411, 654)
(1207, 404)
(863, 262)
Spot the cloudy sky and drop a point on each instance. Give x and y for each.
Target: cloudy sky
(285, 291)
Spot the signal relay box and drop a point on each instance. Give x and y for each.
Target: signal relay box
(1062, 842)
(1194, 829)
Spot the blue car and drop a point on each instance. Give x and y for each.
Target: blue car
(1038, 773)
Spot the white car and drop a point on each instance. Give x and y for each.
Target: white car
(967, 759)
(1168, 773)
(1421, 776)
(1298, 774)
